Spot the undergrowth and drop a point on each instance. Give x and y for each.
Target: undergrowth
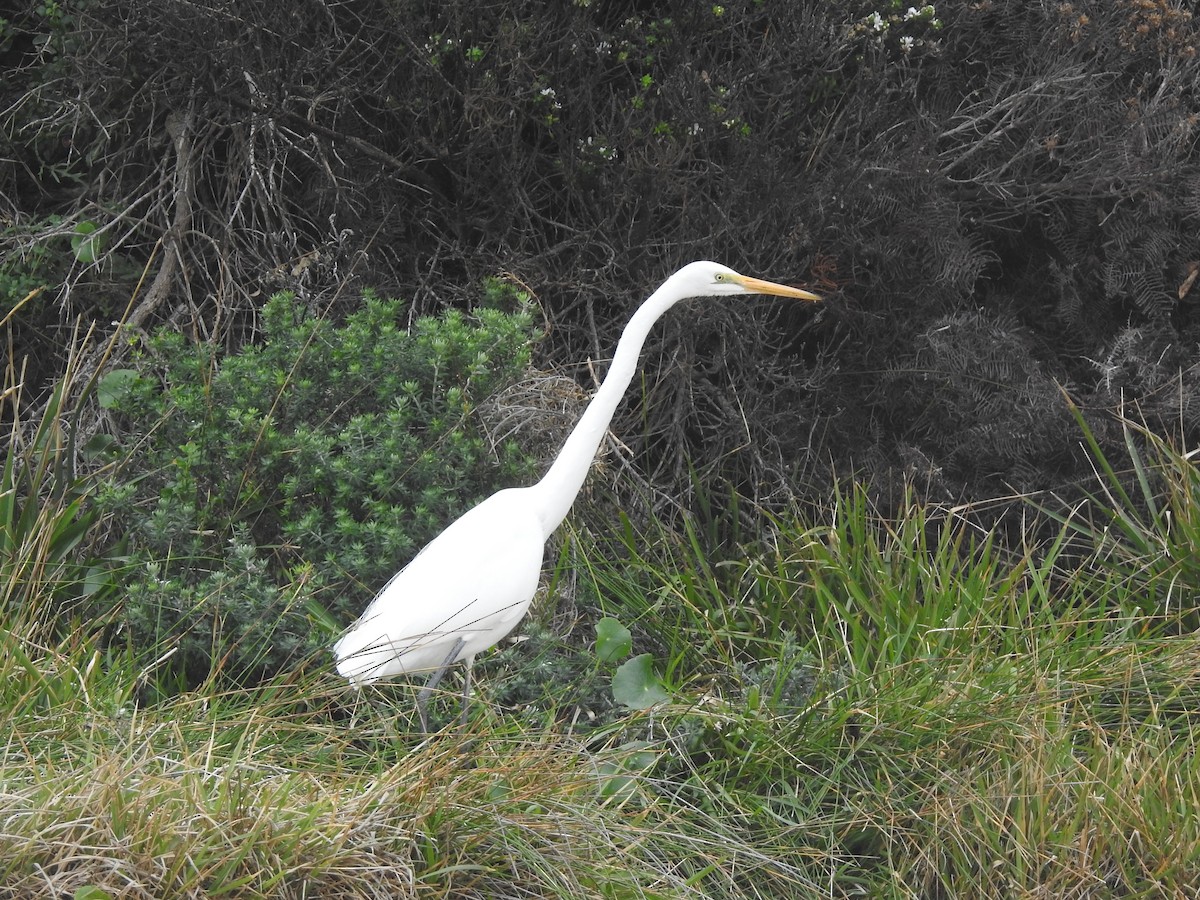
(303, 469)
(856, 706)
(845, 703)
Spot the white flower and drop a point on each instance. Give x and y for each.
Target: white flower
(601, 150)
(875, 20)
(906, 43)
(910, 13)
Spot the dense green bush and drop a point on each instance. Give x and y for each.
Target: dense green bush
(311, 464)
(954, 178)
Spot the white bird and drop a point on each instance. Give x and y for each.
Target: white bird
(474, 582)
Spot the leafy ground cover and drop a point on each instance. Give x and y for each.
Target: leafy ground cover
(884, 694)
(854, 706)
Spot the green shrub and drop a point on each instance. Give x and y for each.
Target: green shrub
(45, 517)
(309, 466)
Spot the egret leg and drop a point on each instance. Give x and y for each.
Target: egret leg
(466, 698)
(432, 683)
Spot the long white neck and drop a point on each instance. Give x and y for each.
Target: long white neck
(558, 488)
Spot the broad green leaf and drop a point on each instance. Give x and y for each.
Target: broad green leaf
(86, 244)
(100, 446)
(635, 685)
(115, 386)
(613, 640)
(619, 775)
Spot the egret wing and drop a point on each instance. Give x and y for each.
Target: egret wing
(474, 581)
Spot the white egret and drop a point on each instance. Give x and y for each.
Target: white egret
(474, 582)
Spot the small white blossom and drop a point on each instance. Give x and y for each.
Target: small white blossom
(906, 43)
(875, 20)
(601, 150)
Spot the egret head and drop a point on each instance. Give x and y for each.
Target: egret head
(710, 279)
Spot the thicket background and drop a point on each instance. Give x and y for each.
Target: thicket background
(998, 200)
(372, 255)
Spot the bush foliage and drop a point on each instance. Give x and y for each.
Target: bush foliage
(954, 177)
(998, 200)
(311, 464)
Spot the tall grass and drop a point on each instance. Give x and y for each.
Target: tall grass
(981, 721)
(859, 707)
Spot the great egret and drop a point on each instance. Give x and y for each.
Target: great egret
(473, 583)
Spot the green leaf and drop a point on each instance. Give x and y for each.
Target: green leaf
(100, 446)
(635, 685)
(86, 244)
(115, 387)
(91, 892)
(620, 774)
(95, 580)
(613, 640)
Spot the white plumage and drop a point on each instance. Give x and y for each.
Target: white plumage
(482, 580)
(474, 582)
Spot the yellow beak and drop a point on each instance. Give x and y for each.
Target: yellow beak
(758, 286)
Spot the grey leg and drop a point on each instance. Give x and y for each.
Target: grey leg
(466, 697)
(432, 683)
